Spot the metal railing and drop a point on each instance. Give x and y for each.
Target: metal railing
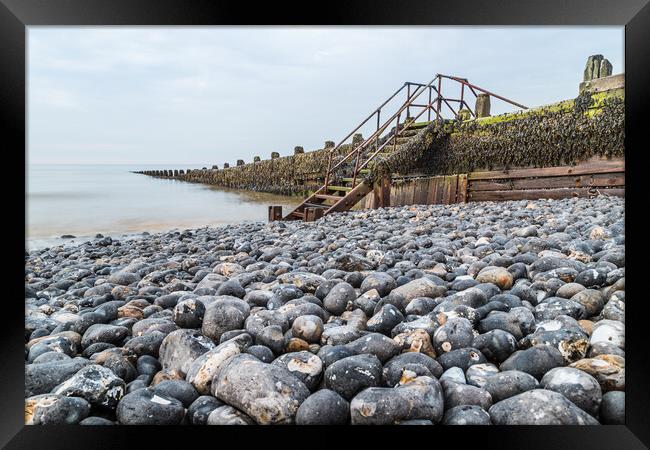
(434, 104)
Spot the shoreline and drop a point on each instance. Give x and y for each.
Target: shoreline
(473, 313)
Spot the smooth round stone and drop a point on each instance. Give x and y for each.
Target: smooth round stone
(147, 344)
(100, 332)
(380, 281)
(123, 278)
(148, 365)
(271, 337)
(420, 398)
(420, 306)
(610, 332)
(306, 366)
(338, 297)
(536, 360)
(568, 290)
(578, 386)
(604, 348)
(349, 375)
(500, 320)
(53, 409)
(609, 370)
(462, 357)
(42, 378)
(508, 384)
(231, 287)
(385, 319)
(458, 394)
(179, 389)
(466, 415)
(324, 407)
(308, 327)
(495, 275)
(189, 313)
(375, 344)
(145, 407)
(200, 409)
(222, 317)
(267, 393)
(96, 384)
(454, 374)
(325, 287)
(591, 278)
(552, 307)
(403, 367)
(261, 352)
(478, 374)
(329, 354)
(539, 407)
(497, 345)
(181, 347)
(50, 357)
(612, 408)
(227, 415)
(456, 333)
(592, 300)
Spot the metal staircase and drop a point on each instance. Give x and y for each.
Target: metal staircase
(344, 184)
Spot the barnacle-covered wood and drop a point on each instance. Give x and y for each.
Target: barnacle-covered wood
(559, 134)
(563, 133)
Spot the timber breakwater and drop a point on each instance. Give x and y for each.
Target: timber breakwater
(571, 148)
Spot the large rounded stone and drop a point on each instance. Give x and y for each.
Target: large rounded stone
(349, 375)
(53, 409)
(324, 407)
(96, 384)
(145, 407)
(420, 398)
(181, 347)
(539, 407)
(578, 386)
(268, 393)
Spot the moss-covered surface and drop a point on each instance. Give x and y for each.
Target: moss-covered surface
(557, 134)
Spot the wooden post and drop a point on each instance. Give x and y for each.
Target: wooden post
(275, 213)
(313, 214)
(462, 188)
(381, 193)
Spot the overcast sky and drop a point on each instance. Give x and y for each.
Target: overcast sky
(209, 95)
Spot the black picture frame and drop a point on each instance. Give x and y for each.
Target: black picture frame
(16, 15)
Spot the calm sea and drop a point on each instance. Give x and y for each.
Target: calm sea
(83, 200)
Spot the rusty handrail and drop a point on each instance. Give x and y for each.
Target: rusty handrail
(433, 104)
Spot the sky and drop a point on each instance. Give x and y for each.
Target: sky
(209, 95)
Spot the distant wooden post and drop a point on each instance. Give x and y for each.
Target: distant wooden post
(240, 162)
(256, 159)
(226, 165)
(175, 172)
(275, 213)
(275, 155)
(297, 150)
(482, 105)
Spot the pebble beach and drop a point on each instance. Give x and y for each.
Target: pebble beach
(478, 313)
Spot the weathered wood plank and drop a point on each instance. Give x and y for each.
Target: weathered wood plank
(532, 194)
(453, 188)
(461, 196)
(588, 167)
(596, 180)
(410, 194)
(431, 191)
